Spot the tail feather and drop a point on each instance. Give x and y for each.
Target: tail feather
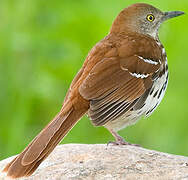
(43, 139)
(54, 141)
(41, 146)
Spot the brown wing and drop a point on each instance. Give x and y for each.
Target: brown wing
(113, 88)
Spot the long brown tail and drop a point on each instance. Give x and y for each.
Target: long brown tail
(44, 143)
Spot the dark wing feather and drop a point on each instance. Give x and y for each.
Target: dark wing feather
(111, 90)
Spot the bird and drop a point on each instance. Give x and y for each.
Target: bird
(123, 78)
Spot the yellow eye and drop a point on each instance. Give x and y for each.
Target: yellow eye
(150, 17)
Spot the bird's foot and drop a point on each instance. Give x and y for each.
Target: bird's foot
(117, 143)
(120, 140)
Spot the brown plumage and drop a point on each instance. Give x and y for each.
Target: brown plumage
(123, 78)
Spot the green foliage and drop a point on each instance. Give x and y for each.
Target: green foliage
(42, 46)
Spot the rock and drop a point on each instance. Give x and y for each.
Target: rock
(101, 162)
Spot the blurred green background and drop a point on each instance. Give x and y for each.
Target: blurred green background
(42, 46)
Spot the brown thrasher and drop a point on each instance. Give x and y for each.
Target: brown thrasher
(124, 77)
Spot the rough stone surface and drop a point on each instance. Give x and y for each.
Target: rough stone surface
(102, 162)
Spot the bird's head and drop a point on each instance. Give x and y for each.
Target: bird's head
(142, 18)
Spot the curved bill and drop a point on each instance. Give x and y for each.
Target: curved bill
(172, 14)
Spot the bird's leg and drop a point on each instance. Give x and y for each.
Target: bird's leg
(119, 139)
